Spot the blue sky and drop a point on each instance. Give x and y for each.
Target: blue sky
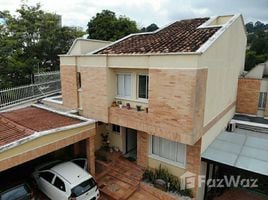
(145, 12)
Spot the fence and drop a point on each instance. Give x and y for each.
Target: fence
(44, 84)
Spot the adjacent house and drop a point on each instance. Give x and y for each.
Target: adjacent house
(164, 96)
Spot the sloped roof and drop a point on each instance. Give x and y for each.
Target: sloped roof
(17, 124)
(181, 36)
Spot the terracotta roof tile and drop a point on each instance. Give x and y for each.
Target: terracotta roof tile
(17, 124)
(181, 36)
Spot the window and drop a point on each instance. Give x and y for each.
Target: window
(169, 150)
(48, 176)
(58, 183)
(143, 86)
(83, 187)
(262, 100)
(116, 128)
(124, 85)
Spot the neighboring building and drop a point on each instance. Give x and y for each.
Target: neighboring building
(183, 76)
(252, 91)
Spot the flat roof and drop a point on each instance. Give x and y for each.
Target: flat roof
(18, 124)
(242, 149)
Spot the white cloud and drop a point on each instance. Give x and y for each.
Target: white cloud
(145, 12)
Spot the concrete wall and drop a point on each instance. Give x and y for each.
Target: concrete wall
(84, 46)
(225, 61)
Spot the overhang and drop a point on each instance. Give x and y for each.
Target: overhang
(244, 149)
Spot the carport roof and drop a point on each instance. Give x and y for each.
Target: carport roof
(18, 124)
(242, 149)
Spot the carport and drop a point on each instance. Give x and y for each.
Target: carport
(242, 153)
(31, 132)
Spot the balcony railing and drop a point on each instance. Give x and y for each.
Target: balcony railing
(11, 96)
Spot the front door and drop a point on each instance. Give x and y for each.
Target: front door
(131, 140)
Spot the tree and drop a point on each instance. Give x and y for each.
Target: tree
(106, 26)
(257, 51)
(150, 28)
(29, 42)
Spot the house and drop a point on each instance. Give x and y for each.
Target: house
(177, 87)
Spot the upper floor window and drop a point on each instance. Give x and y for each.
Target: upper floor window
(262, 100)
(168, 151)
(124, 85)
(143, 82)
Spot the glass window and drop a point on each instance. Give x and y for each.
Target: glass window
(169, 150)
(58, 183)
(116, 128)
(262, 100)
(81, 163)
(20, 192)
(83, 187)
(124, 85)
(143, 86)
(48, 176)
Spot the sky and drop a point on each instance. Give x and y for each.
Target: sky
(145, 12)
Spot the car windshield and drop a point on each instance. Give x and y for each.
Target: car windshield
(83, 187)
(16, 193)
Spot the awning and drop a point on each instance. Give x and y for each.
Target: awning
(242, 149)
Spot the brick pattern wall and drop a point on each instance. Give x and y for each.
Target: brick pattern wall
(266, 109)
(95, 93)
(142, 149)
(90, 150)
(193, 161)
(69, 86)
(176, 106)
(248, 96)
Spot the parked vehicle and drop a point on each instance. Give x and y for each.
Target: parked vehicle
(81, 162)
(66, 181)
(19, 192)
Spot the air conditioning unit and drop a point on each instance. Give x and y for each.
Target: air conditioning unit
(231, 127)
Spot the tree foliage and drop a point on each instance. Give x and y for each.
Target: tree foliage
(106, 26)
(29, 42)
(257, 51)
(150, 28)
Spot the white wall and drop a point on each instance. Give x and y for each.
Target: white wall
(225, 61)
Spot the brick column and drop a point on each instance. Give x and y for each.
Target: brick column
(76, 149)
(90, 150)
(142, 149)
(193, 164)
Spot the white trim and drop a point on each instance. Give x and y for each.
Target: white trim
(250, 123)
(218, 33)
(156, 157)
(134, 100)
(52, 99)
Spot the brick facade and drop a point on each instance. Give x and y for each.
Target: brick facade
(176, 108)
(142, 149)
(90, 151)
(248, 96)
(95, 92)
(69, 86)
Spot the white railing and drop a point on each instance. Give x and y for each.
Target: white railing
(16, 95)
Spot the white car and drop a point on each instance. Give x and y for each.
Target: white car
(66, 181)
(81, 162)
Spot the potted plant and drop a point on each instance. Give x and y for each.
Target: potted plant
(146, 109)
(120, 104)
(128, 105)
(138, 107)
(114, 104)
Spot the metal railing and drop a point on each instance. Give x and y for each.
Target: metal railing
(40, 88)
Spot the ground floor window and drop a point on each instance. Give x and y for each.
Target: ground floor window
(168, 150)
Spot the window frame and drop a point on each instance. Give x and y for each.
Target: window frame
(138, 86)
(262, 100)
(171, 162)
(124, 96)
(52, 180)
(64, 189)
